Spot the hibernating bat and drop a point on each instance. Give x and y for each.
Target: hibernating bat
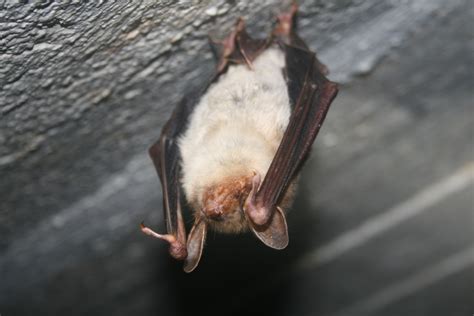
(233, 150)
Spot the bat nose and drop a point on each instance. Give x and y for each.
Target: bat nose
(214, 213)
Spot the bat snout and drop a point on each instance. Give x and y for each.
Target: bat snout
(222, 204)
(214, 212)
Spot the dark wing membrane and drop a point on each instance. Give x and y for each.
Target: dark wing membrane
(311, 94)
(167, 158)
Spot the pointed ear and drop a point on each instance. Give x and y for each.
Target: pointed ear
(274, 234)
(195, 244)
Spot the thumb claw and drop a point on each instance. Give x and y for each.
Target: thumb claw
(257, 214)
(177, 249)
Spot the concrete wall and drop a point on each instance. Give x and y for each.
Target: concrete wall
(86, 87)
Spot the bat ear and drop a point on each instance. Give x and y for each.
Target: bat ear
(195, 244)
(274, 234)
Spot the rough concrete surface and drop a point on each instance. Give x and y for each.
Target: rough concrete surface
(383, 222)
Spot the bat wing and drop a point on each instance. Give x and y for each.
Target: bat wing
(167, 159)
(166, 155)
(311, 94)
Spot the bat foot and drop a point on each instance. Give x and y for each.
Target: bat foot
(285, 21)
(228, 44)
(177, 249)
(238, 47)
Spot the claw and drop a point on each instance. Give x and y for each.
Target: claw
(285, 21)
(257, 214)
(177, 249)
(228, 44)
(150, 232)
(269, 226)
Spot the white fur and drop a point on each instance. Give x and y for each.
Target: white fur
(237, 126)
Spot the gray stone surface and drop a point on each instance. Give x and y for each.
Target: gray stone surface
(383, 219)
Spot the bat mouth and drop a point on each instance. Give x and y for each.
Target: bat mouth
(222, 204)
(217, 219)
(215, 213)
(220, 217)
(229, 222)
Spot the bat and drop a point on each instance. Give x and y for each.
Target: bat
(231, 152)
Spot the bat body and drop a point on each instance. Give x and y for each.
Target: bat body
(234, 133)
(232, 151)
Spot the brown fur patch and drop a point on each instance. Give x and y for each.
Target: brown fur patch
(226, 197)
(222, 203)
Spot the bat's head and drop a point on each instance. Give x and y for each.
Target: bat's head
(222, 204)
(229, 206)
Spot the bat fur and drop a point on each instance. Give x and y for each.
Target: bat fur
(235, 130)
